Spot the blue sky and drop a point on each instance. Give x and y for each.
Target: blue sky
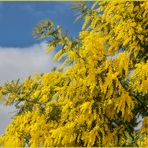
(20, 54)
(17, 20)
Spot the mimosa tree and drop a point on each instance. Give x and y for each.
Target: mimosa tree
(100, 91)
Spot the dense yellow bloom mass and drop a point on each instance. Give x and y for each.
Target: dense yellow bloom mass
(101, 91)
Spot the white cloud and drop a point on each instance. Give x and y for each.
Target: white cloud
(5, 116)
(20, 63)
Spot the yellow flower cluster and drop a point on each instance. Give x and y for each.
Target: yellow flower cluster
(92, 101)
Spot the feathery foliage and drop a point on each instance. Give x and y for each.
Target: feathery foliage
(101, 91)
